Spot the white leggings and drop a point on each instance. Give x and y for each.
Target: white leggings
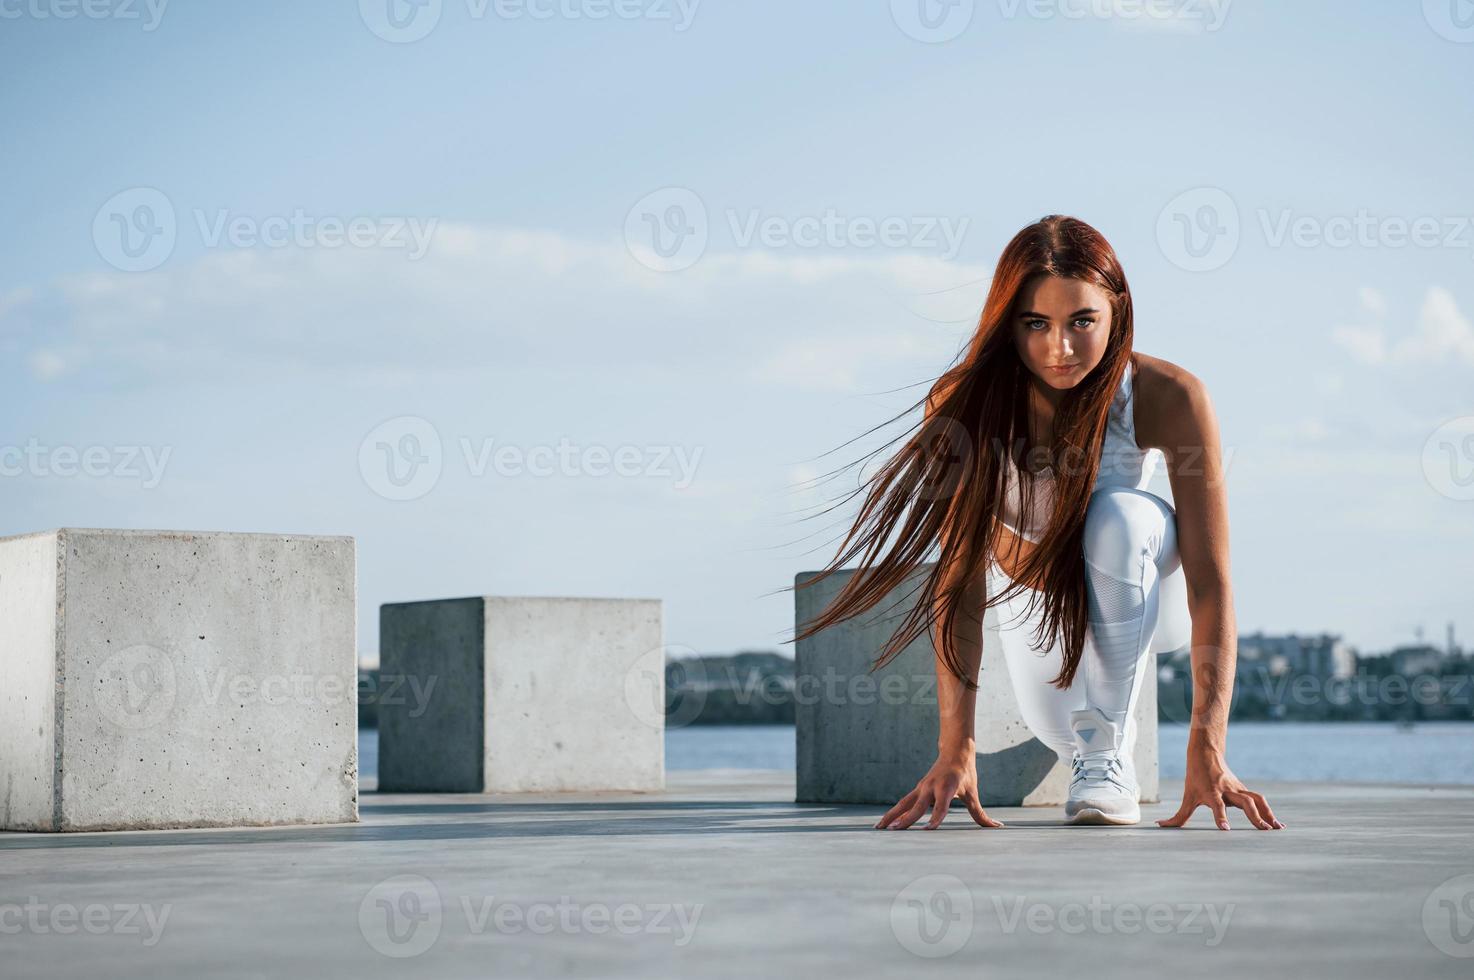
(1138, 607)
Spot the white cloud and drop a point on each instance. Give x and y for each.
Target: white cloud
(1441, 333)
(1372, 301)
(507, 297)
(1305, 430)
(1365, 344)
(47, 365)
(839, 363)
(1182, 18)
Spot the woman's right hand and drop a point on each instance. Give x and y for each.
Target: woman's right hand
(953, 776)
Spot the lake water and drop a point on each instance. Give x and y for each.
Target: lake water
(1351, 752)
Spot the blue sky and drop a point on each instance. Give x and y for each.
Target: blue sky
(250, 369)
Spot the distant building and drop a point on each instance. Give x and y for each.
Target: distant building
(1420, 658)
(1325, 655)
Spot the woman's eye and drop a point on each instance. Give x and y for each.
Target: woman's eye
(1083, 323)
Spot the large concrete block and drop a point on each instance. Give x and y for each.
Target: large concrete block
(155, 679)
(869, 737)
(511, 694)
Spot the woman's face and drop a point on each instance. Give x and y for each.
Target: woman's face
(1062, 323)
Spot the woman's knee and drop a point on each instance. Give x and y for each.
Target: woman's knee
(1122, 524)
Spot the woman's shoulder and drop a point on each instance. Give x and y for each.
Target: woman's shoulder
(1167, 396)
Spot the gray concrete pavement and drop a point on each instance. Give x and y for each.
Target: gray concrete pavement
(722, 875)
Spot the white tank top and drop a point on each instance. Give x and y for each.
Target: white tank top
(1122, 464)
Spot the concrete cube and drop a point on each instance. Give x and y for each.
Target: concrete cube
(510, 694)
(869, 737)
(155, 679)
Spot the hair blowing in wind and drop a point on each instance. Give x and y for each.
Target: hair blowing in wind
(931, 506)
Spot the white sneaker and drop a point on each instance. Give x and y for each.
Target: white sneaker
(1103, 787)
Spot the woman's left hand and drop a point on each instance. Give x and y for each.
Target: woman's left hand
(1212, 784)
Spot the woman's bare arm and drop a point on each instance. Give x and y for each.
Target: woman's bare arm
(956, 703)
(954, 774)
(1183, 418)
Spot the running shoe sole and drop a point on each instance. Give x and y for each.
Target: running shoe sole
(1092, 815)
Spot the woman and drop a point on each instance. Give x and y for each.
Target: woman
(1028, 476)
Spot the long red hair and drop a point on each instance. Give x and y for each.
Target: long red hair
(934, 500)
